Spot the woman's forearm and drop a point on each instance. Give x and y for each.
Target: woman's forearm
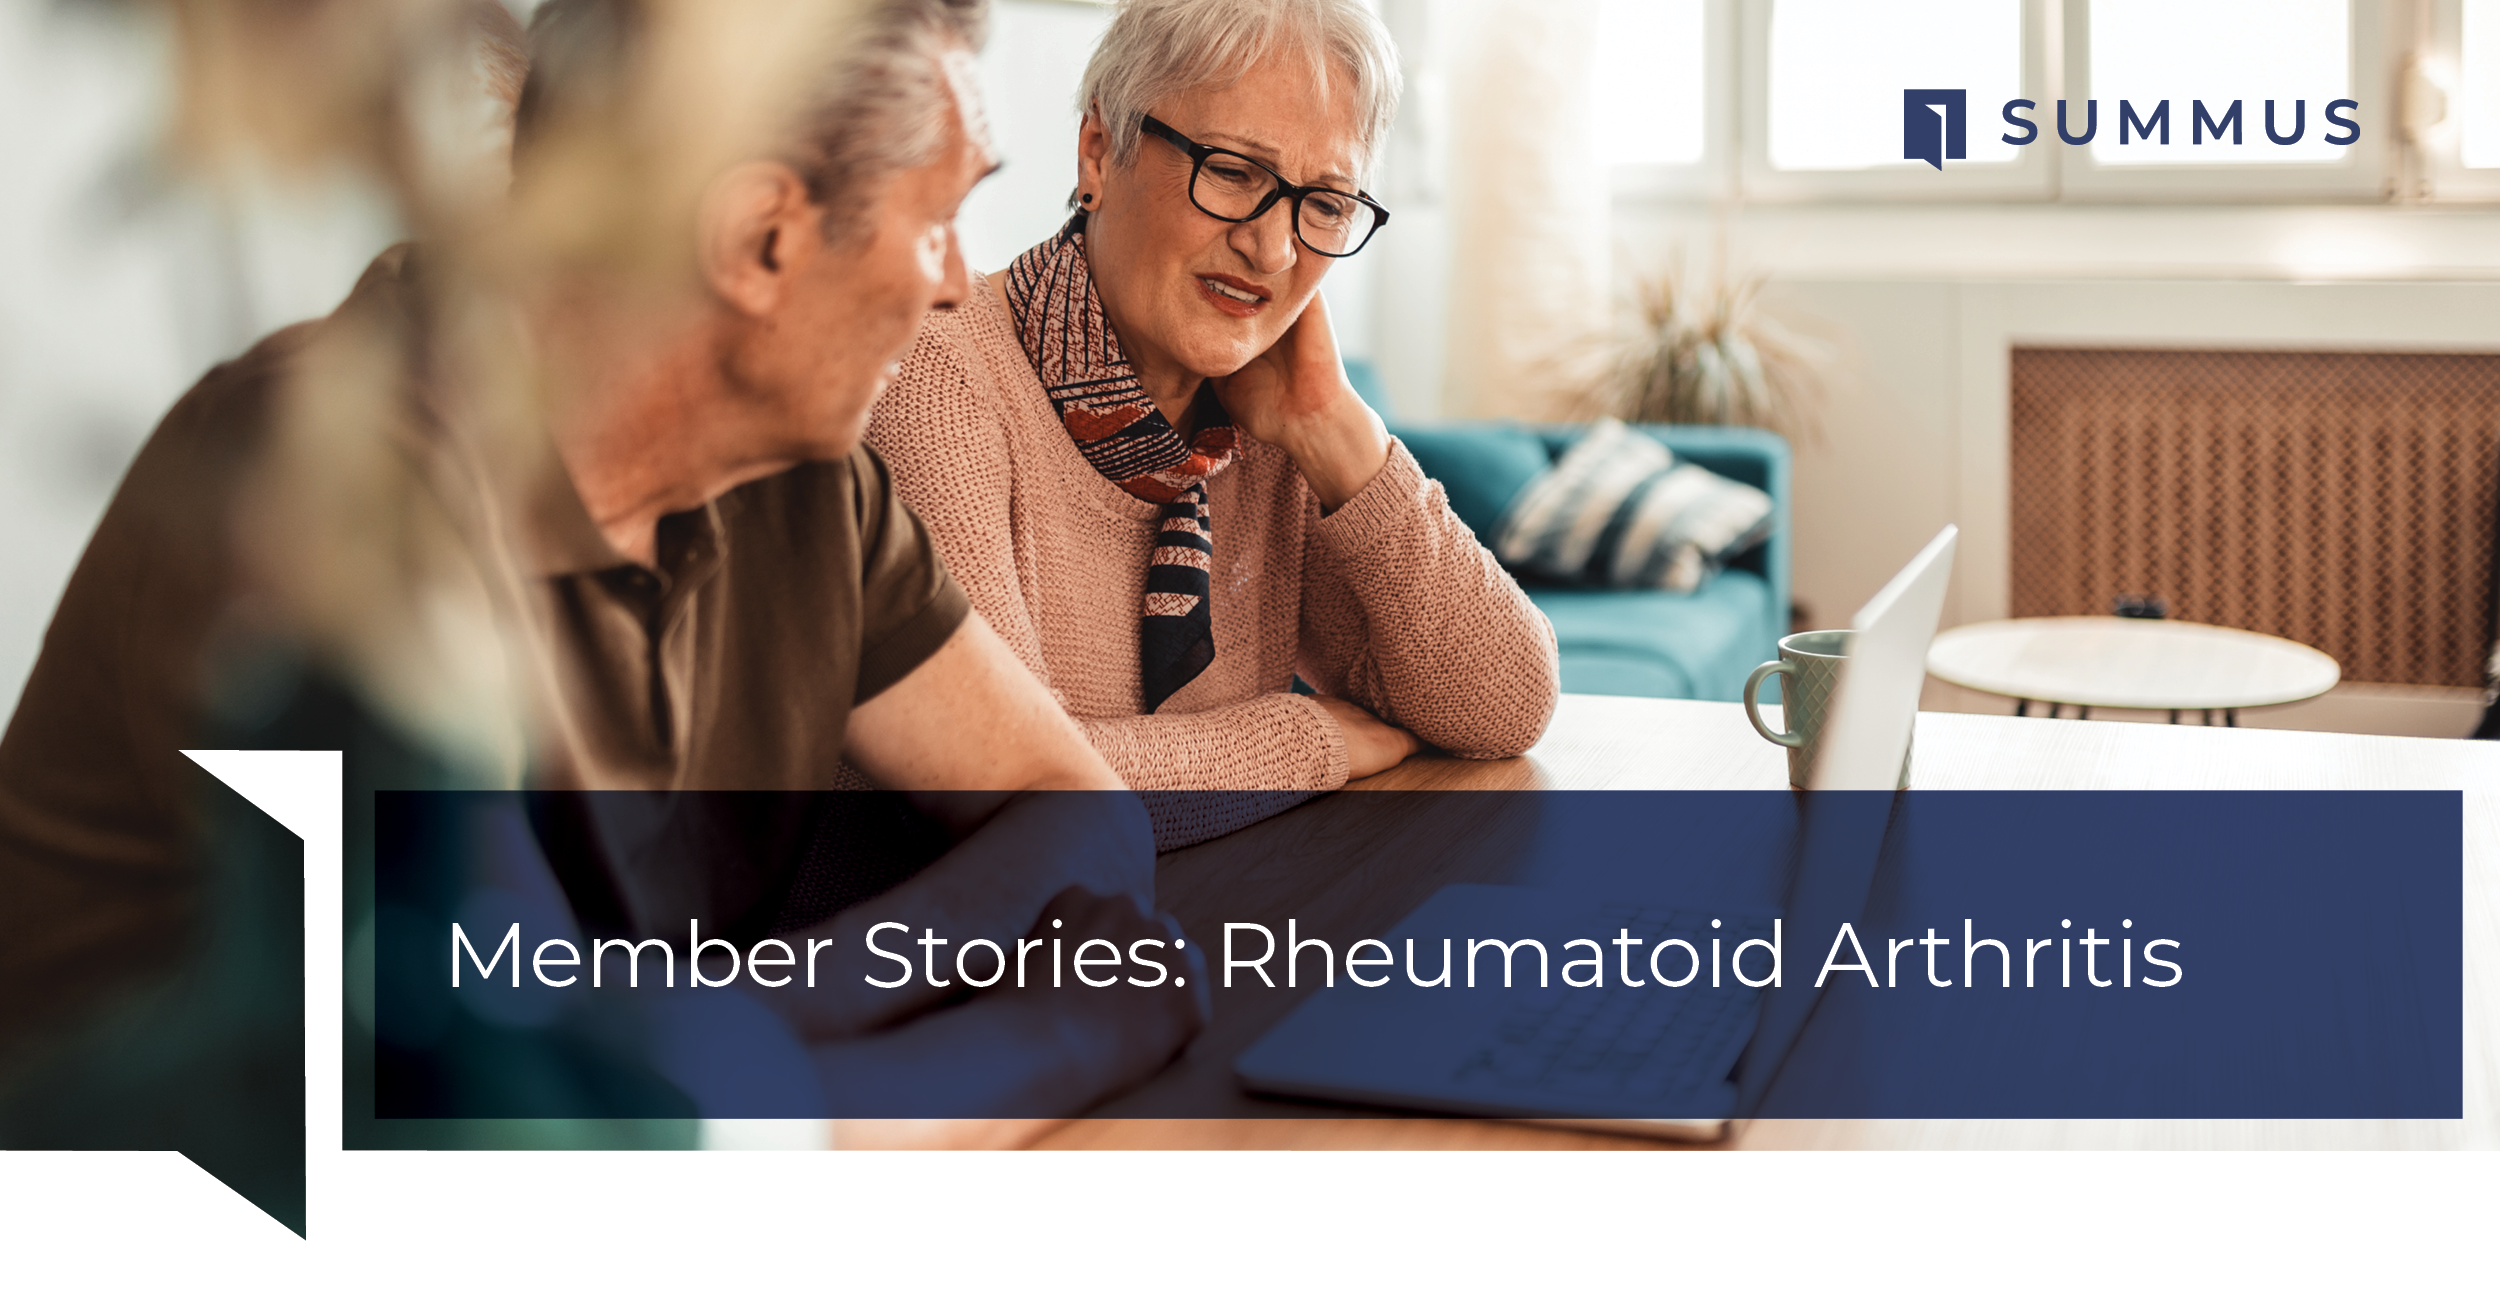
(1338, 453)
(1413, 618)
(1210, 773)
(1279, 741)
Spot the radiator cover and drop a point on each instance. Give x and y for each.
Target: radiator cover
(2340, 499)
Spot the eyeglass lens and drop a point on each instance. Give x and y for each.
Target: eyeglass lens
(1233, 187)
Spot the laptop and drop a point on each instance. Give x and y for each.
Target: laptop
(1680, 1063)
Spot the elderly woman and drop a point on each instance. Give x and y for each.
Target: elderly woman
(1138, 452)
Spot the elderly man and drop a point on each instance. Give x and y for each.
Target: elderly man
(698, 580)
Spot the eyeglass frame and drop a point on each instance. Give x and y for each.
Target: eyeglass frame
(1198, 154)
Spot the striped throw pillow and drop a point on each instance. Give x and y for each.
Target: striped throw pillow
(1619, 510)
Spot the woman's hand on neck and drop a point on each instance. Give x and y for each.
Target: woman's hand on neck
(1296, 396)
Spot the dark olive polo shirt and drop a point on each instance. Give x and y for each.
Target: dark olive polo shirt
(734, 661)
(722, 675)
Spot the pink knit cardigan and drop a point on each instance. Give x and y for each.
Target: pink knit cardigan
(1388, 601)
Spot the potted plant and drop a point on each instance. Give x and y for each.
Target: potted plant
(1700, 349)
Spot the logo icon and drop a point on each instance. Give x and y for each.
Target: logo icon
(1935, 125)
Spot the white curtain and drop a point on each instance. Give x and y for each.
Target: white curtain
(1527, 203)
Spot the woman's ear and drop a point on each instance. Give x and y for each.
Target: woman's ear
(756, 226)
(1093, 157)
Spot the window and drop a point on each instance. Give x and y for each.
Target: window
(1831, 59)
(1802, 100)
(1652, 71)
(1662, 95)
(2204, 57)
(2452, 105)
(1823, 95)
(2165, 76)
(2476, 105)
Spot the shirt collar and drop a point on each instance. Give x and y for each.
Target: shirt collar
(557, 536)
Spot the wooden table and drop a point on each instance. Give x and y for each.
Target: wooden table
(1282, 866)
(2086, 661)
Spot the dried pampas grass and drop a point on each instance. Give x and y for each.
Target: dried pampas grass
(1700, 349)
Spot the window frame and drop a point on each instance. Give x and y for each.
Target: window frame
(1713, 177)
(2390, 40)
(2436, 171)
(2032, 176)
(2367, 171)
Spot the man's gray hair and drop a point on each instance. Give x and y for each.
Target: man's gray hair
(888, 108)
(882, 106)
(1157, 49)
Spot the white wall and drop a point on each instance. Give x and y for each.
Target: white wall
(1029, 74)
(1884, 477)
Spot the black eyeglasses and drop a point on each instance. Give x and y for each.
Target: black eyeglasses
(1233, 187)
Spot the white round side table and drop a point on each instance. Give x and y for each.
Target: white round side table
(2110, 661)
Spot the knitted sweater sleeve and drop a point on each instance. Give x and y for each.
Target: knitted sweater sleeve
(1406, 613)
(1209, 773)
(1273, 741)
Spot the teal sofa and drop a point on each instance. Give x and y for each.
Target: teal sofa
(1637, 642)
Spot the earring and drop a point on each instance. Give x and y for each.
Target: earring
(1088, 200)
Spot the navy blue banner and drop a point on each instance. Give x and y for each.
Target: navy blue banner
(1681, 955)
(2262, 955)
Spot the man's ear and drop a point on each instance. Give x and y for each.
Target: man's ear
(1093, 155)
(755, 227)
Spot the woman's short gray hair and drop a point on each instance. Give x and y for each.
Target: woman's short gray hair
(1156, 49)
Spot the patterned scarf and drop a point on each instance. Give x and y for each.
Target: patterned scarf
(1059, 319)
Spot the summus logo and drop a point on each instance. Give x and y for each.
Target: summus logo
(1933, 127)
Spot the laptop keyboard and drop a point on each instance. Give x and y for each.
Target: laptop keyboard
(1617, 1042)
